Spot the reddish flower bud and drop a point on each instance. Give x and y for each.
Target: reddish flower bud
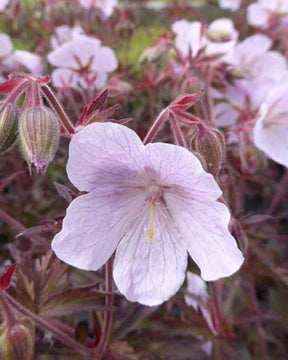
(17, 340)
(209, 143)
(39, 131)
(8, 126)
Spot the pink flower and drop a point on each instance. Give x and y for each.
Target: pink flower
(189, 37)
(4, 4)
(251, 58)
(222, 36)
(198, 298)
(230, 4)
(65, 33)
(6, 46)
(151, 204)
(106, 6)
(260, 12)
(271, 129)
(19, 58)
(82, 61)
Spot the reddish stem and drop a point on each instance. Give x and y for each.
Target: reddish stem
(178, 135)
(156, 126)
(108, 317)
(58, 108)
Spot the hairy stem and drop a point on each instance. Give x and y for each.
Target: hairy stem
(108, 318)
(156, 126)
(58, 108)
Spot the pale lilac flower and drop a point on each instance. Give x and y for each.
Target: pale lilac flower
(199, 299)
(189, 37)
(251, 58)
(271, 129)
(65, 33)
(13, 60)
(151, 204)
(4, 4)
(222, 36)
(106, 6)
(28, 60)
(260, 12)
(84, 61)
(6, 46)
(230, 4)
(244, 96)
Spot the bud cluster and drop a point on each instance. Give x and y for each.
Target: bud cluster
(36, 126)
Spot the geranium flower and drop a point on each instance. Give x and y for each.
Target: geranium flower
(106, 6)
(4, 4)
(230, 4)
(189, 37)
(82, 61)
(221, 35)
(13, 60)
(151, 204)
(199, 299)
(65, 33)
(260, 12)
(251, 58)
(271, 129)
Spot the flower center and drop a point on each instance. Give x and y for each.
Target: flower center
(155, 193)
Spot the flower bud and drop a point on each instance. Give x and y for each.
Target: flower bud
(209, 143)
(8, 126)
(39, 131)
(17, 341)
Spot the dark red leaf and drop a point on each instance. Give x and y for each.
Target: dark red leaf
(185, 101)
(98, 102)
(5, 279)
(9, 85)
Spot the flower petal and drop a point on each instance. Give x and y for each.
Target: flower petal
(150, 274)
(6, 45)
(179, 168)
(204, 227)
(272, 138)
(103, 153)
(93, 225)
(82, 47)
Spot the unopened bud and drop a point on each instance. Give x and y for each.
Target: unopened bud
(209, 143)
(8, 126)
(17, 341)
(156, 52)
(39, 131)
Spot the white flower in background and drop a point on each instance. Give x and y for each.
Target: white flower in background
(199, 299)
(82, 61)
(15, 60)
(65, 33)
(243, 96)
(219, 38)
(4, 4)
(151, 204)
(106, 6)
(252, 58)
(260, 12)
(271, 128)
(230, 4)
(6, 46)
(222, 36)
(189, 37)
